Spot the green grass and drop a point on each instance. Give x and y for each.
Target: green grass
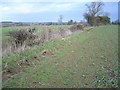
(53, 27)
(83, 59)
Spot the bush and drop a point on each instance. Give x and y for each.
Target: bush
(77, 27)
(20, 36)
(31, 30)
(80, 27)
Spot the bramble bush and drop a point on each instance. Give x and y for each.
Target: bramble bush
(21, 35)
(77, 27)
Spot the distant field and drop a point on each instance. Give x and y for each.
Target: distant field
(38, 29)
(86, 58)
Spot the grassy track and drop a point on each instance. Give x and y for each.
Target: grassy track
(84, 59)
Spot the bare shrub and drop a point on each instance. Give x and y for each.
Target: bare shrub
(20, 36)
(62, 32)
(31, 30)
(42, 36)
(77, 27)
(50, 34)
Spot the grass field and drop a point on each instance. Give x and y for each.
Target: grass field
(86, 58)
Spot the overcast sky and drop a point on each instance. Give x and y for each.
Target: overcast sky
(49, 11)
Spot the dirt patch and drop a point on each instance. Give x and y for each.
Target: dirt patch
(34, 58)
(46, 52)
(25, 64)
(111, 74)
(34, 84)
(7, 74)
(13, 71)
(89, 30)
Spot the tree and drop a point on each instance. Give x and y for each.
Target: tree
(105, 20)
(116, 22)
(89, 18)
(75, 22)
(93, 9)
(70, 22)
(102, 20)
(60, 19)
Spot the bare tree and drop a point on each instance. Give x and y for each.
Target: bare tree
(93, 9)
(60, 19)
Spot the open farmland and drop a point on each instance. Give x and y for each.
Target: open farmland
(87, 58)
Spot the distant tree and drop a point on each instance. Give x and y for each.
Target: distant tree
(60, 19)
(102, 20)
(105, 20)
(90, 19)
(116, 22)
(70, 22)
(93, 9)
(49, 23)
(75, 22)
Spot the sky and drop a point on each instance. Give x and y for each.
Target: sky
(50, 11)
